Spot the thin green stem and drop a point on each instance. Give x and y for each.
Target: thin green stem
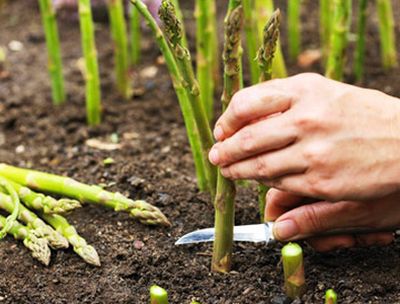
(325, 25)
(359, 56)
(252, 38)
(293, 268)
(294, 28)
(136, 36)
(387, 34)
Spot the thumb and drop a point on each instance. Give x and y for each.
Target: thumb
(311, 219)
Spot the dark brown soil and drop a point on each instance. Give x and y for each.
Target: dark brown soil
(154, 163)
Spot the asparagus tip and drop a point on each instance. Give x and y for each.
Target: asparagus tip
(39, 248)
(89, 255)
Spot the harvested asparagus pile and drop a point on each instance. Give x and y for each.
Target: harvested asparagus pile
(36, 218)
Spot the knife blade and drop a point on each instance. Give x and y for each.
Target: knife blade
(258, 233)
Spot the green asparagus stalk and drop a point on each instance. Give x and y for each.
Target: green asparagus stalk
(54, 52)
(360, 46)
(179, 86)
(119, 36)
(136, 36)
(61, 225)
(338, 42)
(93, 96)
(56, 240)
(214, 43)
(38, 246)
(330, 297)
(265, 58)
(179, 16)
(15, 206)
(293, 268)
(205, 54)
(387, 34)
(294, 25)
(265, 9)
(224, 203)
(173, 33)
(252, 42)
(44, 203)
(325, 24)
(64, 186)
(158, 295)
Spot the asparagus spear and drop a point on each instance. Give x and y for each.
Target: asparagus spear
(325, 25)
(53, 48)
(338, 42)
(38, 246)
(93, 103)
(330, 297)
(14, 203)
(293, 268)
(85, 251)
(135, 35)
(56, 240)
(360, 46)
(45, 182)
(252, 38)
(158, 295)
(293, 16)
(178, 83)
(265, 58)
(173, 33)
(387, 34)
(225, 197)
(44, 203)
(179, 16)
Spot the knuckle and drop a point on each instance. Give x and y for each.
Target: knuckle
(307, 121)
(311, 78)
(239, 106)
(321, 187)
(263, 169)
(317, 154)
(247, 142)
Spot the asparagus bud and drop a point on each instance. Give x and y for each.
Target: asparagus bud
(293, 268)
(330, 297)
(158, 295)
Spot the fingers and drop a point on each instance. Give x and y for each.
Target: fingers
(251, 104)
(252, 140)
(279, 202)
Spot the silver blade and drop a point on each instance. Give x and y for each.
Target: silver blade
(247, 233)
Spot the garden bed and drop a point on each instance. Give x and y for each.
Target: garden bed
(153, 162)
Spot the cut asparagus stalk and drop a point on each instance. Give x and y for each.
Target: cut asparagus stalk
(93, 95)
(44, 203)
(54, 52)
(294, 26)
(56, 240)
(85, 251)
(173, 33)
(136, 36)
(338, 42)
(387, 34)
(14, 203)
(158, 295)
(119, 36)
(330, 297)
(325, 25)
(38, 246)
(178, 83)
(265, 58)
(293, 268)
(252, 38)
(224, 202)
(64, 186)
(360, 46)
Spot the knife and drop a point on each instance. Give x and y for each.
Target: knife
(263, 233)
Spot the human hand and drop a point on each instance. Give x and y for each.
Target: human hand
(312, 136)
(295, 219)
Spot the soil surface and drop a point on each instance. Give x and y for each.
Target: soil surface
(152, 163)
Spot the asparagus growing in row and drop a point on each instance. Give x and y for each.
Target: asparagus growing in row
(224, 202)
(158, 295)
(330, 297)
(44, 203)
(54, 52)
(38, 246)
(265, 58)
(119, 37)
(294, 26)
(56, 240)
(61, 225)
(387, 34)
(252, 38)
(325, 25)
(360, 46)
(136, 36)
(293, 268)
(178, 83)
(174, 34)
(14, 204)
(64, 186)
(338, 40)
(91, 74)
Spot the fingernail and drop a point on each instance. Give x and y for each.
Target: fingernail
(214, 156)
(285, 230)
(218, 133)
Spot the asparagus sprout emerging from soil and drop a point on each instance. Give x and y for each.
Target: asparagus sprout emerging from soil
(119, 36)
(136, 36)
(294, 27)
(64, 186)
(158, 295)
(224, 203)
(360, 46)
(330, 297)
(91, 74)
(293, 268)
(38, 246)
(387, 33)
(54, 52)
